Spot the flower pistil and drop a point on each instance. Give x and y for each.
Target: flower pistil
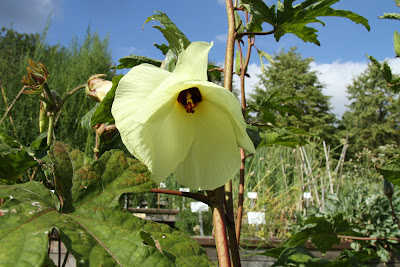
(189, 98)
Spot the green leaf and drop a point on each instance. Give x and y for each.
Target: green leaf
(238, 65)
(238, 23)
(272, 252)
(390, 170)
(396, 41)
(163, 48)
(215, 75)
(93, 227)
(260, 13)
(24, 223)
(267, 56)
(299, 256)
(86, 119)
(169, 62)
(133, 60)
(176, 39)
(289, 136)
(323, 233)
(286, 18)
(386, 71)
(390, 16)
(14, 159)
(254, 134)
(103, 111)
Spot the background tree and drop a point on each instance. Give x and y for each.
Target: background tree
(290, 78)
(373, 116)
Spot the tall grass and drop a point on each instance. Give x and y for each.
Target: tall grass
(68, 67)
(283, 178)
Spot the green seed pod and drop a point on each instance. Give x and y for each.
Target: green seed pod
(43, 119)
(388, 188)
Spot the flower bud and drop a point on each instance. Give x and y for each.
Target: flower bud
(36, 78)
(388, 188)
(97, 88)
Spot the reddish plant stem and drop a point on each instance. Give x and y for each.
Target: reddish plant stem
(368, 238)
(255, 33)
(393, 213)
(242, 153)
(196, 196)
(239, 214)
(221, 240)
(230, 225)
(219, 214)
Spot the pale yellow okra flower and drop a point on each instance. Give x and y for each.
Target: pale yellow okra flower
(180, 123)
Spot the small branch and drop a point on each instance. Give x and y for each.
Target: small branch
(216, 69)
(12, 104)
(249, 155)
(5, 102)
(70, 94)
(368, 238)
(45, 100)
(196, 196)
(241, 34)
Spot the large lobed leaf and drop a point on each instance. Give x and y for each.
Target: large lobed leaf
(92, 225)
(286, 18)
(390, 170)
(176, 39)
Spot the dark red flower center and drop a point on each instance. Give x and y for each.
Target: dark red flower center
(189, 98)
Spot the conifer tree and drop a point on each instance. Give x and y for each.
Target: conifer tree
(373, 116)
(291, 77)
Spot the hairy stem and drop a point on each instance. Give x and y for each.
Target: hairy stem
(230, 46)
(221, 240)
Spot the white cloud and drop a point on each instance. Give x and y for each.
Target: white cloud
(336, 76)
(221, 2)
(222, 37)
(27, 16)
(131, 50)
(253, 70)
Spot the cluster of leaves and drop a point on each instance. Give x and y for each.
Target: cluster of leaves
(86, 212)
(323, 234)
(288, 18)
(390, 170)
(369, 214)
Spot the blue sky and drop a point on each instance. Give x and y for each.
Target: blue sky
(340, 57)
